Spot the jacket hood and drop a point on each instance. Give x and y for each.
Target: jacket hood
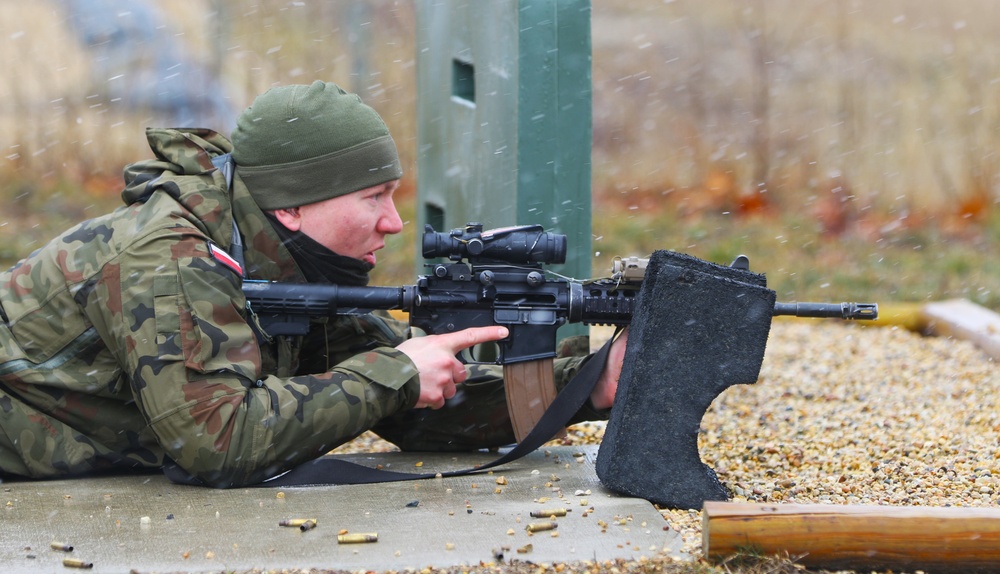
(178, 151)
(183, 170)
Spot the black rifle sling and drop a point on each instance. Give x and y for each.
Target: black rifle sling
(332, 469)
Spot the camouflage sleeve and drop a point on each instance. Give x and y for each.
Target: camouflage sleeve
(339, 338)
(195, 371)
(477, 417)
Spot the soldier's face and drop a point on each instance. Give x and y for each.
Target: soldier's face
(353, 225)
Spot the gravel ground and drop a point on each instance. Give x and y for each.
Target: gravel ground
(842, 414)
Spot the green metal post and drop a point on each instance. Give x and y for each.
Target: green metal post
(504, 118)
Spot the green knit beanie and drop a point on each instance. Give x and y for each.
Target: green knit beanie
(297, 145)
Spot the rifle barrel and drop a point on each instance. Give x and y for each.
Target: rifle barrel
(859, 311)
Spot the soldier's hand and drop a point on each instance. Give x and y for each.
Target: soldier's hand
(440, 370)
(603, 395)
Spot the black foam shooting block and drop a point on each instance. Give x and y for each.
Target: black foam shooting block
(698, 329)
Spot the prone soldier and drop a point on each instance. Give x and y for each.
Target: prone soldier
(126, 345)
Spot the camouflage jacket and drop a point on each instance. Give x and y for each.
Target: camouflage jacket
(124, 342)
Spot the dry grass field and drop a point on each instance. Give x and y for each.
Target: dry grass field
(848, 148)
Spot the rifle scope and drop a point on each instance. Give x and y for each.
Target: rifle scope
(518, 245)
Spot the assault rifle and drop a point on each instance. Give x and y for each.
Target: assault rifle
(495, 277)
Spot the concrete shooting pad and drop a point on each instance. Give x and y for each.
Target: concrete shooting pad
(145, 523)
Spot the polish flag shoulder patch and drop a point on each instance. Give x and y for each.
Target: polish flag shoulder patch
(226, 259)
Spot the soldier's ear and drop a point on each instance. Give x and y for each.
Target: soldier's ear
(289, 217)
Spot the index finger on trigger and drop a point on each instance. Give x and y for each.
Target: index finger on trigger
(475, 335)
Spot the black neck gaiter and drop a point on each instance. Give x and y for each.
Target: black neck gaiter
(319, 264)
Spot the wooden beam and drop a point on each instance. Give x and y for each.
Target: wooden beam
(857, 537)
(963, 319)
